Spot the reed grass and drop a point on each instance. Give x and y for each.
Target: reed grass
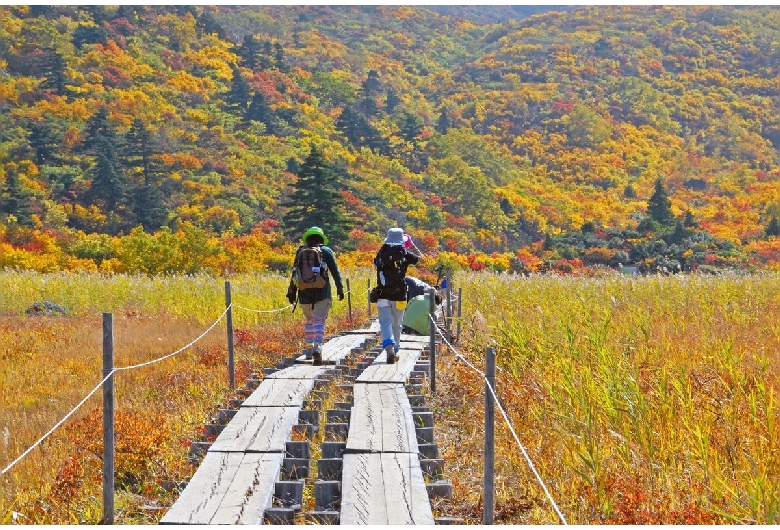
(646, 400)
(50, 363)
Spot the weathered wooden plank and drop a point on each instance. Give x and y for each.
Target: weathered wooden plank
(337, 348)
(381, 420)
(298, 371)
(257, 430)
(384, 489)
(275, 392)
(415, 340)
(372, 328)
(228, 488)
(381, 372)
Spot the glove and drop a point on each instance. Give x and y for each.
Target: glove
(292, 293)
(340, 294)
(408, 241)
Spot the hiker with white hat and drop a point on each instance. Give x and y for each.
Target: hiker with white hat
(391, 262)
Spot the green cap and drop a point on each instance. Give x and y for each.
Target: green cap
(315, 231)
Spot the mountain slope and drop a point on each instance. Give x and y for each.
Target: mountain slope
(480, 137)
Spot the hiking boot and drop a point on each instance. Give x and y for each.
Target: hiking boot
(307, 353)
(390, 354)
(316, 353)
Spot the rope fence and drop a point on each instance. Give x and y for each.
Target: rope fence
(497, 402)
(445, 334)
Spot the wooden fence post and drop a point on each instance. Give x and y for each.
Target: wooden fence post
(108, 419)
(448, 308)
(432, 322)
(460, 297)
(490, 438)
(349, 301)
(231, 361)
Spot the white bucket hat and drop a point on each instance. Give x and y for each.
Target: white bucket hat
(395, 236)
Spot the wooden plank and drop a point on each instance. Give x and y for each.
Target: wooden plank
(275, 392)
(228, 488)
(372, 328)
(384, 489)
(257, 430)
(415, 340)
(337, 348)
(381, 420)
(381, 372)
(299, 371)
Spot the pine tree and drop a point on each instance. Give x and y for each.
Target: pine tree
(773, 228)
(266, 58)
(371, 85)
(659, 207)
(392, 100)
(15, 200)
(53, 71)
(279, 60)
(443, 125)
(138, 149)
(249, 51)
(260, 111)
(109, 184)
(315, 201)
(238, 96)
(44, 141)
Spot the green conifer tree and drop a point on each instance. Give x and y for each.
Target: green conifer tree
(659, 207)
(315, 201)
(15, 200)
(773, 228)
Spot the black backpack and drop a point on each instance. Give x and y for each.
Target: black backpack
(391, 268)
(310, 271)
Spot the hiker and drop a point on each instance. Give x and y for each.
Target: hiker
(310, 284)
(417, 313)
(391, 262)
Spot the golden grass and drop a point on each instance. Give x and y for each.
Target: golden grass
(639, 400)
(50, 363)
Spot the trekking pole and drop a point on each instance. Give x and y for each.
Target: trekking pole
(369, 298)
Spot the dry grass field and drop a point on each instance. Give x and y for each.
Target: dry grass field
(638, 400)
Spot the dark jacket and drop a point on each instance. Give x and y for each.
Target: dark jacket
(415, 287)
(409, 259)
(310, 296)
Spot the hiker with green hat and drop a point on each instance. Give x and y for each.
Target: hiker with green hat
(313, 266)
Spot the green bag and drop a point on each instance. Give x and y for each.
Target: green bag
(416, 314)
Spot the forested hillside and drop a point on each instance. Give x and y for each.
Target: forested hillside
(175, 138)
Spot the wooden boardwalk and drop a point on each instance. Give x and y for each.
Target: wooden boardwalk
(255, 470)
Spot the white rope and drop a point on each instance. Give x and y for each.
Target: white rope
(180, 349)
(69, 414)
(262, 310)
(509, 424)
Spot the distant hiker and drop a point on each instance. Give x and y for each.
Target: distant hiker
(391, 262)
(418, 306)
(313, 266)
